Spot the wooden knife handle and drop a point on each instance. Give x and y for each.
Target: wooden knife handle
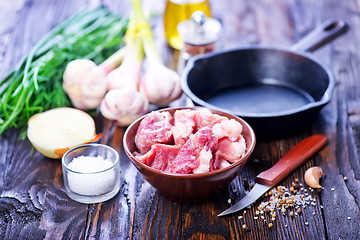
(291, 160)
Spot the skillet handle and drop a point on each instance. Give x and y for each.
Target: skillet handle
(321, 35)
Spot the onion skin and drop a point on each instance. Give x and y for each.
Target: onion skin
(312, 177)
(61, 151)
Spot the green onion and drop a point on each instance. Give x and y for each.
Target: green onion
(36, 84)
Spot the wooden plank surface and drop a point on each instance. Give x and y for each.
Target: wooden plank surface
(34, 205)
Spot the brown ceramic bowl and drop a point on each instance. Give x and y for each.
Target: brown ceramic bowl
(189, 187)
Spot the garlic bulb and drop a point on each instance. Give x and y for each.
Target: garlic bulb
(85, 83)
(124, 105)
(160, 85)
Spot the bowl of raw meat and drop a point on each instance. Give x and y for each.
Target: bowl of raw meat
(189, 153)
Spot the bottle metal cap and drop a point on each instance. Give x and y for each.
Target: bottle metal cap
(199, 29)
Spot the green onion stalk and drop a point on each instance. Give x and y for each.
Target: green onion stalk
(160, 85)
(123, 103)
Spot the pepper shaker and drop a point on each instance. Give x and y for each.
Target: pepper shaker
(199, 34)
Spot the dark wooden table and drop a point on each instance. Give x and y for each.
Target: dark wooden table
(34, 205)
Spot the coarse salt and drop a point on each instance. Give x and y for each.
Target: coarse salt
(88, 175)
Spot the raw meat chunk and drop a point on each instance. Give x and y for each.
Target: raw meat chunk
(205, 118)
(184, 126)
(160, 156)
(164, 156)
(154, 128)
(228, 128)
(187, 158)
(232, 151)
(146, 158)
(187, 122)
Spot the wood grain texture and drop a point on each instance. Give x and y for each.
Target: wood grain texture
(33, 202)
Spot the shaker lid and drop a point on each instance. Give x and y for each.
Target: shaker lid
(199, 29)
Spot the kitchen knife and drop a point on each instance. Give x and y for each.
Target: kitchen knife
(288, 163)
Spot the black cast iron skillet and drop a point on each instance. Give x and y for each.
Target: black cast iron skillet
(277, 91)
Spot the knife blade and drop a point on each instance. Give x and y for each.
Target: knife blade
(287, 164)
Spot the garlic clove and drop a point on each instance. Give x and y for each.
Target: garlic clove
(312, 177)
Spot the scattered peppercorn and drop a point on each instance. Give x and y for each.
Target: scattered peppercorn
(282, 199)
(246, 183)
